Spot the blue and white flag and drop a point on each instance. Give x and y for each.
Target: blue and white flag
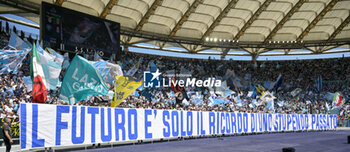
(215, 100)
(267, 96)
(65, 63)
(131, 71)
(295, 92)
(329, 96)
(239, 101)
(280, 103)
(152, 66)
(270, 105)
(104, 71)
(17, 43)
(102, 67)
(28, 82)
(114, 71)
(253, 103)
(197, 98)
(234, 83)
(136, 93)
(57, 57)
(11, 60)
(223, 90)
(229, 73)
(305, 111)
(96, 56)
(140, 88)
(318, 84)
(278, 83)
(185, 102)
(251, 94)
(268, 85)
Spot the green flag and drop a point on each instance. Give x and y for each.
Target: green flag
(81, 80)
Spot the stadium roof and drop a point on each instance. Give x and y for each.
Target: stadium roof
(225, 26)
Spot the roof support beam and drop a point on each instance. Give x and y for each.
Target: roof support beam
(253, 18)
(340, 28)
(285, 19)
(219, 18)
(141, 41)
(19, 22)
(108, 8)
(150, 12)
(183, 46)
(13, 12)
(185, 17)
(28, 7)
(317, 18)
(224, 53)
(203, 48)
(160, 44)
(59, 2)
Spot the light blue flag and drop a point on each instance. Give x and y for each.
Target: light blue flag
(85, 55)
(197, 98)
(136, 93)
(109, 79)
(11, 60)
(228, 92)
(268, 85)
(96, 56)
(280, 103)
(110, 94)
(17, 42)
(102, 67)
(239, 101)
(9, 92)
(252, 87)
(251, 94)
(185, 102)
(335, 110)
(305, 111)
(253, 103)
(99, 64)
(105, 73)
(65, 63)
(329, 96)
(278, 83)
(214, 100)
(81, 80)
(112, 57)
(141, 88)
(153, 66)
(28, 82)
(318, 84)
(270, 105)
(58, 57)
(131, 72)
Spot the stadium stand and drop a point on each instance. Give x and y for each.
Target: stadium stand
(101, 89)
(298, 95)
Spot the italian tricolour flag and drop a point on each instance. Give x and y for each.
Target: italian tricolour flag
(338, 100)
(39, 91)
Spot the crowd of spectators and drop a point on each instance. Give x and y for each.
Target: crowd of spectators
(297, 75)
(300, 74)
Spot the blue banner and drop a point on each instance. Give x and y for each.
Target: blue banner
(44, 125)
